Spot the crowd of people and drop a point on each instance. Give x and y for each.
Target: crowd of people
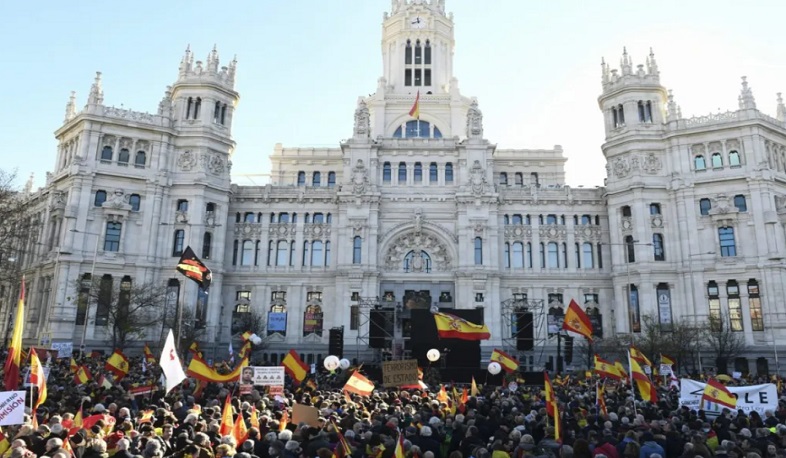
(496, 423)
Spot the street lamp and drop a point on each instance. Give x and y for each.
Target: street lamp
(90, 289)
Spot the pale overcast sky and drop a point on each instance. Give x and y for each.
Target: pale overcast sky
(534, 66)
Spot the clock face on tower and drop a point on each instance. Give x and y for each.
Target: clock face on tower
(417, 22)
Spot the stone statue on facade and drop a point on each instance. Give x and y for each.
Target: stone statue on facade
(477, 179)
(362, 120)
(474, 121)
(360, 183)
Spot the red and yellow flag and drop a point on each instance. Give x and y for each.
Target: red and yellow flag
(415, 110)
(149, 355)
(606, 369)
(227, 425)
(4, 443)
(716, 393)
(117, 364)
(282, 424)
(643, 382)
(82, 375)
(473, 391)
(442, 396)
(508, 362)
(295, 367)
(240, 431)
(200, 370)
(551, 400)
(399, 452)
(359, 384)
(666, 359)
(14, 359)
(601, 401)
(194, 349)
(37, 377)
(74, 366)
(343, 449)
(452, 327)
(557, 424)
(254, 417)
(621, 370)
(640, 357)
(576, 320)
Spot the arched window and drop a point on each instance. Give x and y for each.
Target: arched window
(207, 242)
(257, 251)
(301, 178)
(331, 179)
(135, 201)
(235, 246)
(317, 258)
(318, 218)
(418, 57)
(630, 249)
(197, 107)
(621, 115)
(247, 257)
(328, 218)
(386, 175)
(306, 253)
(657, 247)
(553, 255)
(626, 211)
(528, 256)
(587, 256)
(506, 220)
(507, 255)
(112, 237)
(179, 242)
(217, 112)
(519, 177)
(705, 206)
(478, 251)
(740, 203)
(533, 180)
(419, 261)
(123, 157)
(717, 160)
(586, 220)
(427, 57)
(316, 178)
(106, 154)
(223, 114)
(283, 217)
(551, 219)
(433, 173)
(655, 208)
(357, 249)
(699, 163)
(140, 159)
(282, 249)
(734, 158)
(292, 253)
(503, 178)
(418, 172)
(449, 173)
(517, 220)
(189, 105)
(327, 253)
(248, 217)
(408, 57)
(100, 198)
(402, 173)
(518, 255)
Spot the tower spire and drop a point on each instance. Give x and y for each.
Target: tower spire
(96, 96)
(186, 62)
(604, 70)
(746, 99)
(781, 112)
(652, 65)
(625, 62)
(212, 61)
(70, 111)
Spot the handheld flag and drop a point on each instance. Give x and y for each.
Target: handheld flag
(473, 391)
(170, 364)
(576, 320)
(14, 359)
(194, 349)
(82, 375)
(606, 369)
(557, 424)
(254, 417)
(601, 401)
(399, 451)
(200, 370)
(640, 357)
(643, 382)
(716, 396)
(74, 366)
(551, 402)
(192, 267)
(359, 384)
(240, 430)
(295, 367)
(415, 110)
(37, 377)
(442, 396)
(452, 327)
(509, 363)
(117, 364)
(149, 355)
(4, 443)
(227, 425)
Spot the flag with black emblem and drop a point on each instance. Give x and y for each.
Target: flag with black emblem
(193, 267)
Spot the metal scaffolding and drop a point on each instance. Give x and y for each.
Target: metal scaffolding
(510, 308)
(364, 325)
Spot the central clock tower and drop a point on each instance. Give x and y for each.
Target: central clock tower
(417, 47)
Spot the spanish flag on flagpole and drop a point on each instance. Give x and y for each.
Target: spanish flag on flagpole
(117, 364)
(199, 370)
(643, 382)
(716, 396)
(415, 110)
(606, 369)
(359, 384)
(14, 359)
(551, 401)
(576, 320)
(227, 423)
(295, 367)
(453, 327)
(508, 362)
(37, 377)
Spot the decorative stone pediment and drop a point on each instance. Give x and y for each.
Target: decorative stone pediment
(118, 201)
(418, 242)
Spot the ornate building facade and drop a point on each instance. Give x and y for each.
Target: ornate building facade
(413, 213)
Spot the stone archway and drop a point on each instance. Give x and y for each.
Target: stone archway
(417, 241)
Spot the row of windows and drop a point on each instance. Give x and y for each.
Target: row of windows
(417, 172)
(281, 253)
(104, 299)
(182, 206)
(417, 129)
(518, 255)
(518, 179)
(284, 217)
(644, 110)
(658, 248)
(734, 312)
(123, 157)
(179, 243)
(517, 219)
(415, 58)
(316, 179)
(135, 200)
(705, 205)
(716, 160)
(655, 209)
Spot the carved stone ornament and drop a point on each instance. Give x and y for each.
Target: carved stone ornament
(316, 230)
(627, 224)
(721, 205)
(248, 229)
(281, 229)
(651, 164)
(58, 201)
(587, 232)
(621, 168)
(187, 161)
(474, 121)
(417, 242)
(656, 221)
(359, 180)
(478, 227)
(418, 220)
(477, 179)
(362, 120)
(118, 201)
(553, 232)
(518, 232)
(215, 164)
(357, 227)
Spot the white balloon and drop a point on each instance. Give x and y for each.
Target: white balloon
(494, 368)
(344, 364)
(331, 363)
(432, 355)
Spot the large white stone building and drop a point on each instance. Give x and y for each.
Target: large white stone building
(416, 211)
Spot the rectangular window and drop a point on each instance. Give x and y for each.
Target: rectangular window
(735, 306)
(418, 80)
(633, 308)
(105, 297)
(716, 320)
(726, 239)
(754, 303)
(418, 53)
(600, 256)
(354, 317)
(427, 76)
(433, 173)
(83, 300)
(402, 173)
(112, 238)
(182, 205)
(408, 77)
(478, 251)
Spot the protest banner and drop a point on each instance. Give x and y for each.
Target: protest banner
(12, 408)
(399, 373)
(749, 398)
(263, 376)
(63, 349)
(305, 414)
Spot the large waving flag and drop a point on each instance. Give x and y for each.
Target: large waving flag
(192, 267)
(640, 357)
(643, 382)
(170, 364)
(359, 384)
(576, 320)
(551, 400)
(415, 110)
(295, 367)
(716, 396)
(37, 378)
(621, 370)
(452, 327)
(508, 362)
(200, 370)
(117, 364)
(606, 369)
(14, 359)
